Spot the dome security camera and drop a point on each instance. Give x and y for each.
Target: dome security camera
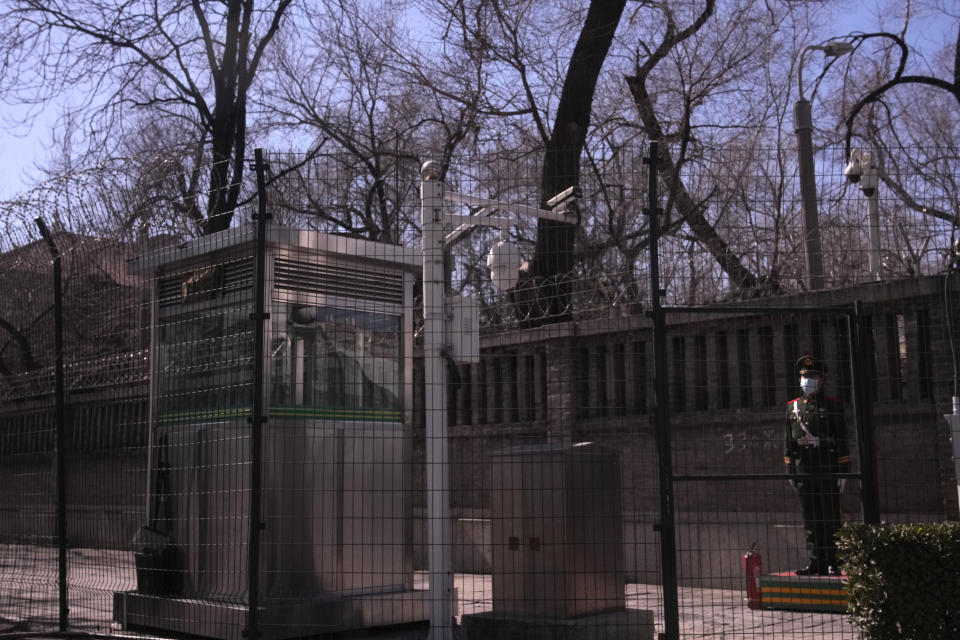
(854, 169)
(504, 261)
(864, 169)
(431, 170)
(870, 163)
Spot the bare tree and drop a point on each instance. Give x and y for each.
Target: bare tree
(904, 105)
(691, 90)
(345, 89)
(554, 254)
(512, 50)
(692, 211)
(189, 62)
(901, 78)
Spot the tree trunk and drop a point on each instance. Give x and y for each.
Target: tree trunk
(553, 256)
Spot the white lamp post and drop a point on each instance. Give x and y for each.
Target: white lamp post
(504, 263)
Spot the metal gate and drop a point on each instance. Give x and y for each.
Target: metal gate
(732, 538)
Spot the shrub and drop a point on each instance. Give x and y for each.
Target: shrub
(903, 580)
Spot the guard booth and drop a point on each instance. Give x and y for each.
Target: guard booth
(336, 551)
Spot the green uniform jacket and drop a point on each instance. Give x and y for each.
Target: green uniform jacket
(815, 440)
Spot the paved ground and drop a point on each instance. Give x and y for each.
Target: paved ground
(28, 601)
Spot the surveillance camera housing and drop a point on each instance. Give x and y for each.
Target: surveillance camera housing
(504, 262)
(870, 162)
(854, 169)
(570, 193)
(431, 170)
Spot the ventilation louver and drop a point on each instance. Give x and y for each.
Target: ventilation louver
(222, 279)
(338, 281)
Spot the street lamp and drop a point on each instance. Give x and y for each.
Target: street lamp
(437, 340)
(803, 127)
(863, 169)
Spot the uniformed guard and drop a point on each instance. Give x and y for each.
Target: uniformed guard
(815, 442)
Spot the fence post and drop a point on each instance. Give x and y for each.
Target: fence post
(439, 548)
(863, 418)
(666, 525)
(59, 420)
(257, 417)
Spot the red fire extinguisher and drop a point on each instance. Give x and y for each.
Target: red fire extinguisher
(753, 567)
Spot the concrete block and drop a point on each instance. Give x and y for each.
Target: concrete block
(629, 624)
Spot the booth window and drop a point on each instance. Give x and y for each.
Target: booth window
(333, 363)
(205, 363)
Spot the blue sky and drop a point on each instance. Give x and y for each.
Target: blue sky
(24, 146)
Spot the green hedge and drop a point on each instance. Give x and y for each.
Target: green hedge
(903, 580)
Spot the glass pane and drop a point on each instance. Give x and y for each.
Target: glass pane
(338, 363)
(205, 362)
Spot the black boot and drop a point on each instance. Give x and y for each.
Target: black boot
(812, 569)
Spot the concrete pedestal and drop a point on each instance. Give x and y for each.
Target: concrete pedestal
(630, 624)
(296, 619)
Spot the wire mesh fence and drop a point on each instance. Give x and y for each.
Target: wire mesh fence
(378, 438)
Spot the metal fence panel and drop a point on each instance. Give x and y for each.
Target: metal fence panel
(478, 464)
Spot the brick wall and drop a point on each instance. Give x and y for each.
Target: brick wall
(729, 376)
(593, 381)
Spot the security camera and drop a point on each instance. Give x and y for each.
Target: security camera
(504, 262)
(870, 164)
(864, 168)
(570, 193)
(431, 170)
(854, 169)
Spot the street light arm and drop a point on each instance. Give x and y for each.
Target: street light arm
(803, 52)
(832, 49)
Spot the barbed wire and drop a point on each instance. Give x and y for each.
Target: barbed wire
(106, 215)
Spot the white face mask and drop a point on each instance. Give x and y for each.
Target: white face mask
(809, 385)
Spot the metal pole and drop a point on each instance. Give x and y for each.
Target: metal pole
(803, 126)
(666, 526)
(257, 416)
(863, 417)
(873, 216)
(59, 422)
(435, 391)
(953, 421)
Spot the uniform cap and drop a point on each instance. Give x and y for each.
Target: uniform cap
(811, 364)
